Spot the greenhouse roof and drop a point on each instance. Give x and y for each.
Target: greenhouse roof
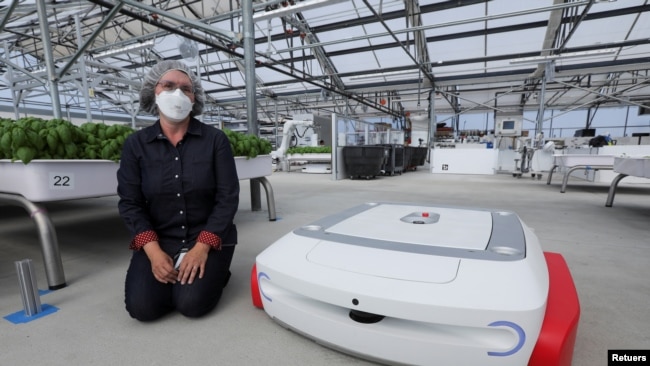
(359, 57)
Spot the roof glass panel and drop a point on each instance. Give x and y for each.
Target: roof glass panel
(452, 50)
(527, 40)
(641, 26)
(505, 13)
(354, 37)
(603, 31)
(453, 21)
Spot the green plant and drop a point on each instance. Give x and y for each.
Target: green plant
(247, 145)
(36, 138)
(309, 150)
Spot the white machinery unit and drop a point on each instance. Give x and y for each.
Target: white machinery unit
(410, 284)
(533, 156)
(511, 126)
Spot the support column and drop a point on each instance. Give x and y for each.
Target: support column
(549, 75)
(249, 74)
(82, 68)
(52, 80)
(432, 124)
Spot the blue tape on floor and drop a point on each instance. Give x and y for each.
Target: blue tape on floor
(43, 292)
(20, 317)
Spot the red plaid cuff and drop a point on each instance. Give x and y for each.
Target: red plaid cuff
(211, 239)
(143, 238)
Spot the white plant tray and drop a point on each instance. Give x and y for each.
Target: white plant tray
(311, 157)
(633, 166)
(253, 168)
(571, 160)
(54, 180)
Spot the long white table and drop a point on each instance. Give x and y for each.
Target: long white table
(572, 162)
(625, 167)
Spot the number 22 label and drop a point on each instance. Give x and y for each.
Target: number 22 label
(61, 181)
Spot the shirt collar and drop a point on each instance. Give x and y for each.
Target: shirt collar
(155, 131)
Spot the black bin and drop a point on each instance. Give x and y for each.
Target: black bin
(408, 156)
(394, 163)
(364, 161)
(400, 158)
(415, 156)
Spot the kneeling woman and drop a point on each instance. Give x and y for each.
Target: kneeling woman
(179, 193)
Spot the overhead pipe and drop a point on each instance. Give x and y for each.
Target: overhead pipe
(442, 25)
(8, 13)
(227, 35)
(300, 6)
(29, 74)
(83, 47)
(421, 66)
(224, 49)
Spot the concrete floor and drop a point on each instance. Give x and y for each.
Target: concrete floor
(607, 250)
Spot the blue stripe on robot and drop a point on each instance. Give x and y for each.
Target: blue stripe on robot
(520, 332)
(259, 277)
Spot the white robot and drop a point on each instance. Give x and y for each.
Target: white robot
(289, 129)
(300, 131)
(419, 285)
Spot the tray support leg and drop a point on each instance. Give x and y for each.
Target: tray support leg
(47, 234)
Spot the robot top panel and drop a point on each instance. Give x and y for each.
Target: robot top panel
(421, 229)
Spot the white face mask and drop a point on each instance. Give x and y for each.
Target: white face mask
(176, 106)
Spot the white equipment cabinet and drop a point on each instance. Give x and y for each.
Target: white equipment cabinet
(476, 159)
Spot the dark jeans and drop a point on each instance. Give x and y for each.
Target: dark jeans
(147, 299)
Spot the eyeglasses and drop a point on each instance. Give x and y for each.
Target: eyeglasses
(171, 86)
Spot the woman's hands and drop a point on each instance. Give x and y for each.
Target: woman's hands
(193, 263)
(162, 265)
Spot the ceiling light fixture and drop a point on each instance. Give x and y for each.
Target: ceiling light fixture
(272, 87)
(299, 6)
(563, 56)
(130, 48)
(383, 74)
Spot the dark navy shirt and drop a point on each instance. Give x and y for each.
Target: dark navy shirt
(179, 191)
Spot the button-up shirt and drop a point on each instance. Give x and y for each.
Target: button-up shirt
(178, 194)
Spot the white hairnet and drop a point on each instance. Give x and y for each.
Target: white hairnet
(148, 94)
